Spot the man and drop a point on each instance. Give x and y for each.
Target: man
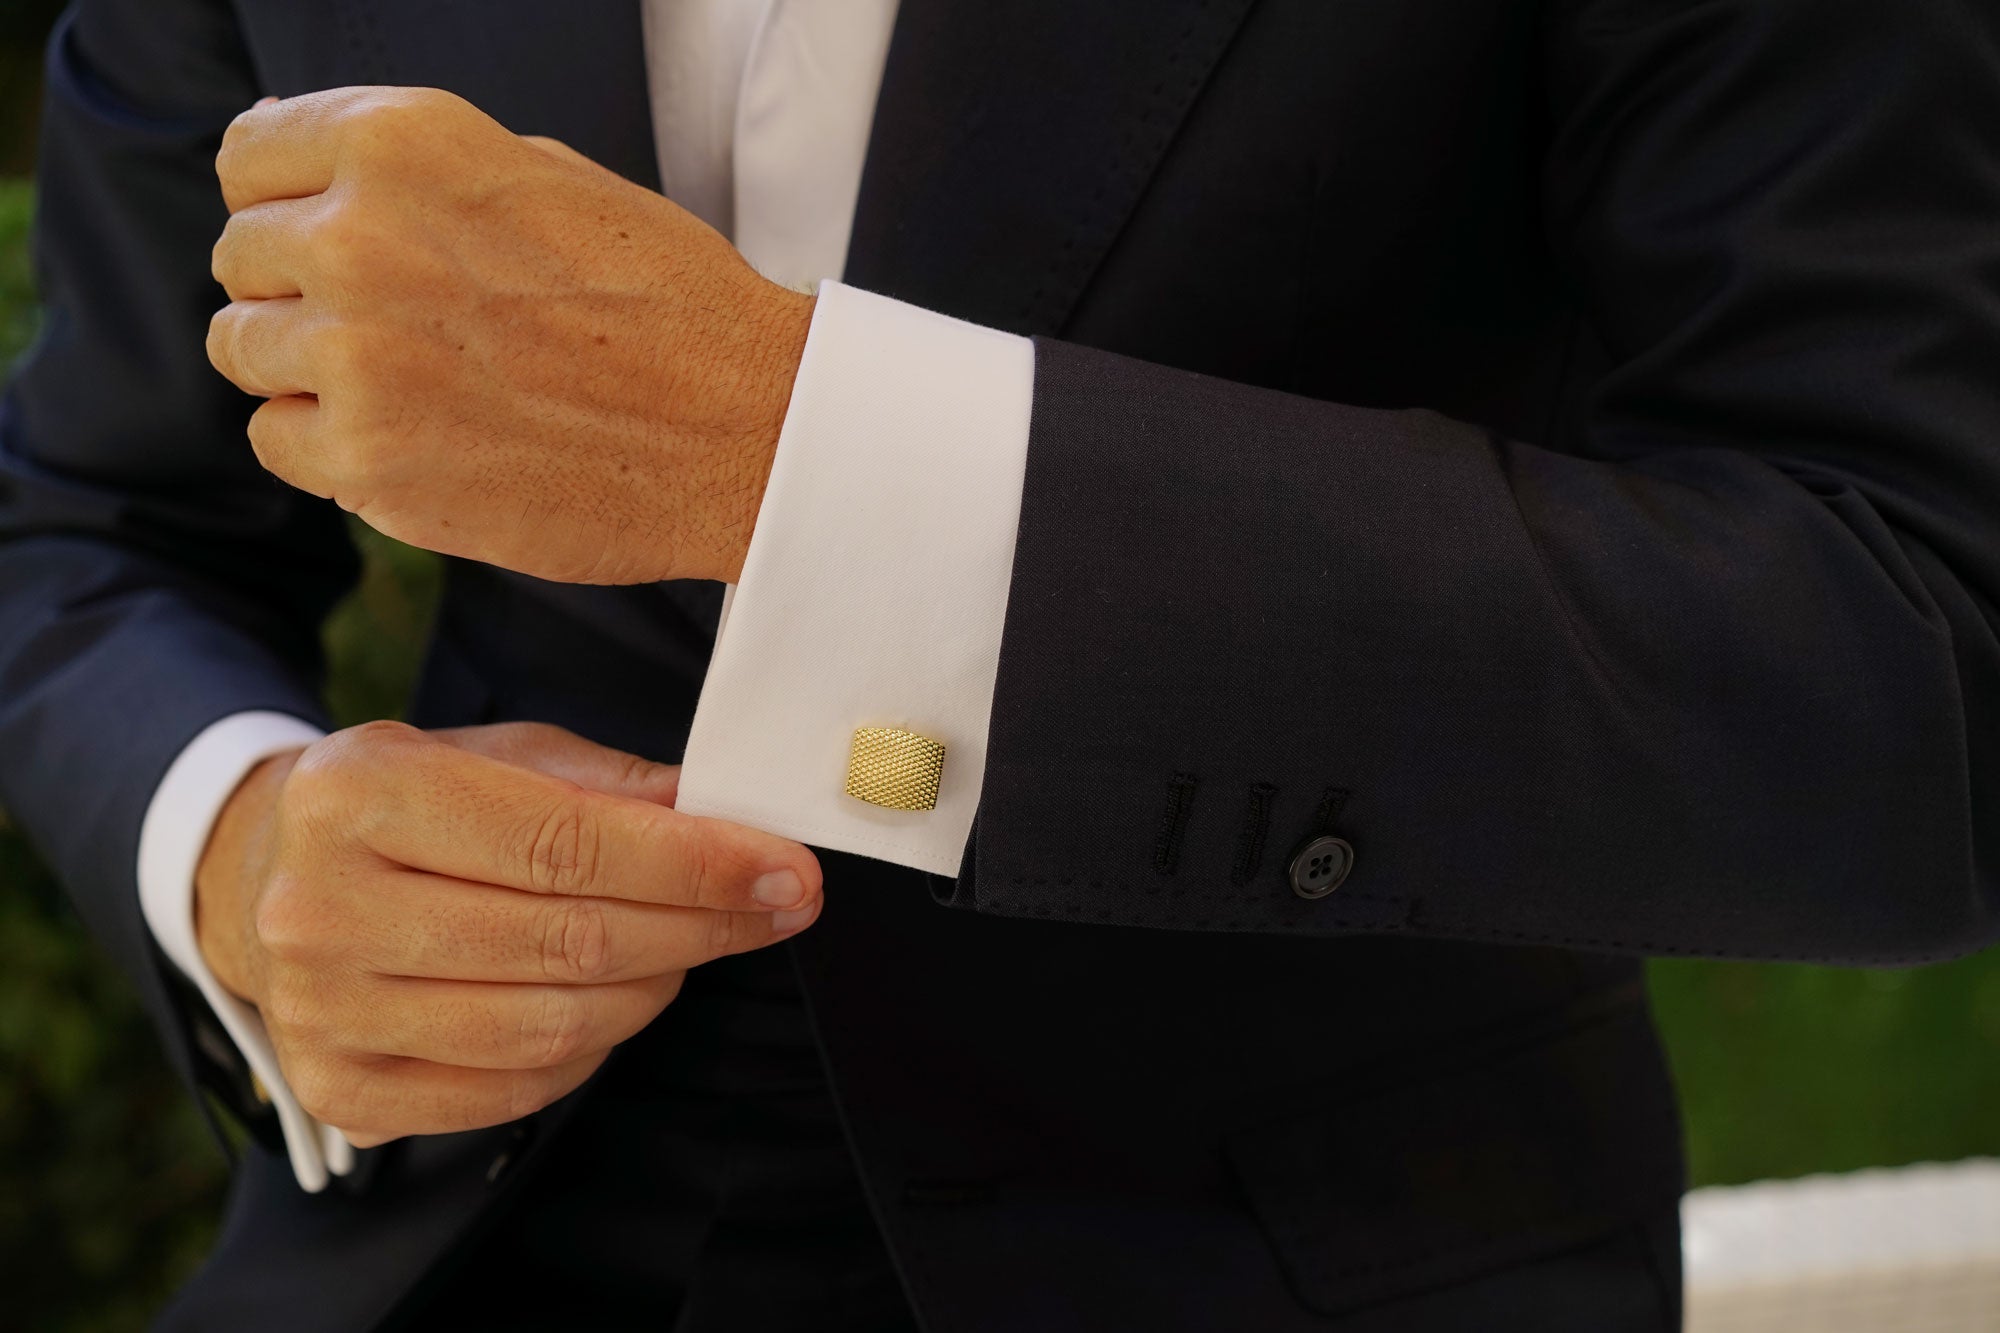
(1494, 490)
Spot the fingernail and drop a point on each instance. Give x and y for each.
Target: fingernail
(780, 888)
(266, 100)
(784, 923)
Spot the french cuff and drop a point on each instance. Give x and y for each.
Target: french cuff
(874, 591)
(178, 820)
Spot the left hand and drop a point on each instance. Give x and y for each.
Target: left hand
(492, 347)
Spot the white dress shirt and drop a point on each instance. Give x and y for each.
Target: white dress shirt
(875, 586)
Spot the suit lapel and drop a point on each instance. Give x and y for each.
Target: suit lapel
(1013, 138)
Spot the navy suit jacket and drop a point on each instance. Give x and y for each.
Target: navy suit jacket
(1553, 443)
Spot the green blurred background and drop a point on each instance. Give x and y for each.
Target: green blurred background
(109, 1186)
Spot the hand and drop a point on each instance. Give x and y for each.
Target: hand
(492, 347)
(449, 930)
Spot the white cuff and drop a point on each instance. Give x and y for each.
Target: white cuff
(178, 820)
(875, 587)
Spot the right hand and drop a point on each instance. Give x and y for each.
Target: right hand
(448, 930)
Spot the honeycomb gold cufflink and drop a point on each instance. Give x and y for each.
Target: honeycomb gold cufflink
(895, 769)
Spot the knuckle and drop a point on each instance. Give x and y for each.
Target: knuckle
(642, 774)
(330, 766)
(563, 850)
(369, 745)
(341, 244)
(553, 1029)
(730, 932)
(525, 742)
(576, 942)
(635, 770)
(229, 157)
(389, 121)
(288, 920)
(323, 772)
(260, 443)
(718, 872)
(537, 735)
(326, 1092)
(699, 867)
(334, 250)
(380, 120)
(222, 255)
(289, 1008)
(336, 787)
(221, 341)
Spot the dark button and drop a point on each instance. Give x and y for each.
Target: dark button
(1319, 865)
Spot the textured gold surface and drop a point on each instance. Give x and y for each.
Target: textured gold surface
(894, 768)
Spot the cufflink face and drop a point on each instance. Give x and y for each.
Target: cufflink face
(895, 769)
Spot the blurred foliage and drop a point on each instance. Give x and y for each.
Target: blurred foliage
(109, 1184)
(23, 26)
(375, 637)
(1787, 1070)
(17, 292)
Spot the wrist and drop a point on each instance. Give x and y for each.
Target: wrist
(227, 875)
(767, 376)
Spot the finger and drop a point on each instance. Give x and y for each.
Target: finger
(284, 149)
(262, 252)
(475, 818)
(486, 1025)
(450, 930)
(264, 347)
(284, 434)
(564, 754)
(374, 1101)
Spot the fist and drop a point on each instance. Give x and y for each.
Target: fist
(492, 347)
(450, 930)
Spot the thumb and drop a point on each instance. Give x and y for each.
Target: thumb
(564, 754)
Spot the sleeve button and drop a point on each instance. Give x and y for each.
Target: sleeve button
(1319, 866)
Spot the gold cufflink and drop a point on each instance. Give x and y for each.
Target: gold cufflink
(894, 768)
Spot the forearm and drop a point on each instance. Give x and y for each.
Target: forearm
(1692, 702)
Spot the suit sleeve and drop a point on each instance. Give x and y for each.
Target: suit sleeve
(1710, 669)
(153, 579)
